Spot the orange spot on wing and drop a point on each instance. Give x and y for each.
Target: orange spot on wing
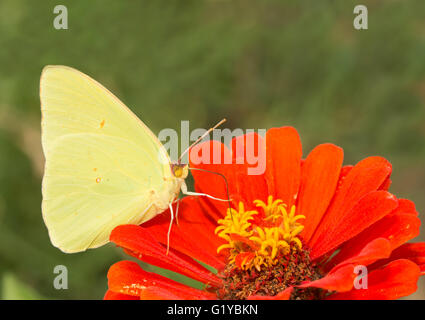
(102, 124)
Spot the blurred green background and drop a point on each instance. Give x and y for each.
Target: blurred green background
(257, 63)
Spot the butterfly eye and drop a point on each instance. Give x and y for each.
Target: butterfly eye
(180, 170)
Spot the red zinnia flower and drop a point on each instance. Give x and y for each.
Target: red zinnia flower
(297, 231)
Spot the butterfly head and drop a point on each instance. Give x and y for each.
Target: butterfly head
(180, 170)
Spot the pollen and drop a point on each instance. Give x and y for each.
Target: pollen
(259, 239)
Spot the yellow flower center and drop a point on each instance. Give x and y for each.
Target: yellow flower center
(261, 242)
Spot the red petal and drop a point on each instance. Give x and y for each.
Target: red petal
(341, 280)
(193, 235)
(413, 251)
(345, 170)
(128, 278)
(405, 206)
(247, 256)
(283, 163)
(371, 208)
(247, 145)
(379, 248)
(398, 279)
(248, 188)
(140, 243)
(241, 185)
(155, 293)
(397, 228)
(386, 184)
(284, 295)
(319, 177)
(367, 176)
(250, 150)
(249, 183)
(212, 156)
(213, 209)
(111, 295)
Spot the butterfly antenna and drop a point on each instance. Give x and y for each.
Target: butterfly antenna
(225, 181)
(200, 138)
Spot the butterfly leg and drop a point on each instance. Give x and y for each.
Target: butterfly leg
(169, 228)
(190, 193)
(177, 211)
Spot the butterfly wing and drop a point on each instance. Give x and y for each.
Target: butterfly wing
(104, 167)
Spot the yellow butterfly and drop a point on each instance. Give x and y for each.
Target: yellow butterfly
(104, 167)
